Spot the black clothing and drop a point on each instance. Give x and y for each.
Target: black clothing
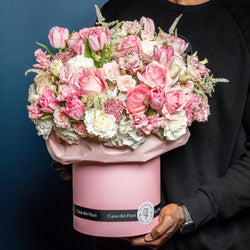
(210, 175)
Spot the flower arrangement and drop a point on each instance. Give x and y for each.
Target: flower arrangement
(118, 83)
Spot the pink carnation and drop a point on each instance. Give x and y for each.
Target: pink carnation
(69, 91)
(146, 124)
(34, 112)
(66, 75)
(65, 56)
(48, 101)
(203, 111)
(74, 108)
(43, 60)
(192, 101)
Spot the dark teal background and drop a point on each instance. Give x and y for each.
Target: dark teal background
(35, 204)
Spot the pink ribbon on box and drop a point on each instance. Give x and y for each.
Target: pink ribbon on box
(89, 151)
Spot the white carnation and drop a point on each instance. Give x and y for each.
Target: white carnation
(177, 127)
(68, 135)
(44, 127)
(80, 61)
(148, 47)
(100, 124)
(126, 136)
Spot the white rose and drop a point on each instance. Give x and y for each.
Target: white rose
(55, 67)
(100, 124)
(177, 68)
(44, 127)
(68, 135)
(80, 61)
(176, 127)
(148, 47)
(33, 97)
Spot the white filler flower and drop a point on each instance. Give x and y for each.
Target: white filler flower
(67, 134)
(80, 61)
(100, 124)
(177, 127)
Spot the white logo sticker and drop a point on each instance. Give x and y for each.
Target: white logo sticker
(145, 213)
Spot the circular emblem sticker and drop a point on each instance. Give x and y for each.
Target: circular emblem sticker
(145, 213)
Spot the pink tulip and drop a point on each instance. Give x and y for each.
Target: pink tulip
(164, 55)
(97, 38)
(156, 97)
(74, 108)
(73, 39)
(58, 37)
(148, 25)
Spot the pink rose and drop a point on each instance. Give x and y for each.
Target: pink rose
(164, 55)
(66, 74)
(97, 38)
(58, 37)
(73, 39)
(156, 97)
(202, 111)
(74, 108)
(175, 101)
(148, 25)
(80, 129)
(91, 81)
(61, 119)
(130, 43)
(178, 44)
(79, 47)
(112, 71)
(69, 91)
(43, 60)
(155, 75)
(48, 102)
(135, 99)
(125, 82)
(34, 112)
(192, 101)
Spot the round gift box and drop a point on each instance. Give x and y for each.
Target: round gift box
(116, 199)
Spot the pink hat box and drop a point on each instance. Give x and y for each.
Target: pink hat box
(116, 200)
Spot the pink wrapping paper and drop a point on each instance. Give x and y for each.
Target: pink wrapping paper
(90, 151)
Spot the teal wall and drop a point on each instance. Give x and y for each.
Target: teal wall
(35, 206)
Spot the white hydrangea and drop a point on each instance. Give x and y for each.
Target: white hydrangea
(80, 61)
(100, 124)
(177, 127)
(126, 136)
(55, 67)
(148, 47)
(44, 127)
(68, 135)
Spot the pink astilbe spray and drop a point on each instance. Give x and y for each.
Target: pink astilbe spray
(115, 108)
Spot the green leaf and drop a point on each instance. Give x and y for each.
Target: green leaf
(46, 116)
(109, 53)
(149, 112)
(46, 48)
(103, 55)
(87, 52)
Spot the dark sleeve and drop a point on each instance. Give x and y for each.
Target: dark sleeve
(230, 194)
